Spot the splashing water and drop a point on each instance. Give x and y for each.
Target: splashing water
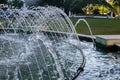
(38, 44)
(89, 28)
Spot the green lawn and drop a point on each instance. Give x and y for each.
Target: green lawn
(99, 26)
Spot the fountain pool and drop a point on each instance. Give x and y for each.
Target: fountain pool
(41, 44)
(100, 65)
(29, 52)
(35, 57)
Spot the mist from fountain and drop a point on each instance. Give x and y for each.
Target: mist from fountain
(38, 44)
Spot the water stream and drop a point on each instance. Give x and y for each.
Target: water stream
(41, 44)
(100, 65)
(38, 44)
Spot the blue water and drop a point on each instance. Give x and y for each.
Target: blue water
(32, 57)
(100, 65)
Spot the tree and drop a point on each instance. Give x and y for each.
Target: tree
(57, 3)
(116, 5)
(96, 11)
(3, 1)
(17, 3)
(73, 5)
(80, 4)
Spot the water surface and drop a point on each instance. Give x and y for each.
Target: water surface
(100, 65)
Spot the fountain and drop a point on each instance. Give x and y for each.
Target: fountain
(39, 44)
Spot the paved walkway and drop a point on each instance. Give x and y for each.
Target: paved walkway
(109, 36)
(108, 40)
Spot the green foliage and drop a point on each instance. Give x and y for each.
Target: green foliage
(74, 5)
(104, 10)
(57, 3)
(96, 11)
(17, 3)
(3, 1)
(116, 3)
(116, 7)
(67, 4)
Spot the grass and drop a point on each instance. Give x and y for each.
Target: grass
(99, 26)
